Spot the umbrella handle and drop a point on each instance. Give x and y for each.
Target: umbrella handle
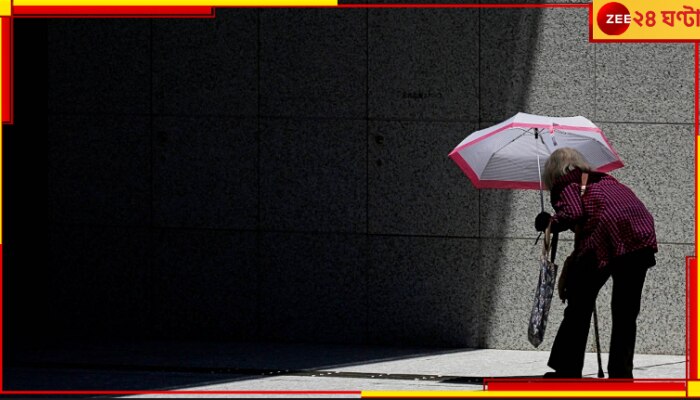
(555, 241)
(539, 175)
(541, 199)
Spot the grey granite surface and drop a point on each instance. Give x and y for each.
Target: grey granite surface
(423, 290)
(206, 66)
(205, 172)
(537, 61)
(313, 288)
(99, 170)
(644, 82)
(414, 187)
(423, 64)
(313, 63)
(313, 175)
(99, 66)
(204, 284)
(659, 168)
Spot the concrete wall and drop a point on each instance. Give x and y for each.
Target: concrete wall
(283, 174)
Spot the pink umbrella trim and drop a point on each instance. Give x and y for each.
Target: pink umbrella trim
(493, 184)
(507, 185)
(611, 166)
(465, 167)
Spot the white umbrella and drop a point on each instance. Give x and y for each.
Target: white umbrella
(510, 155)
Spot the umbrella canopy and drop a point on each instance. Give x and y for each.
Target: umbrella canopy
(511, 155)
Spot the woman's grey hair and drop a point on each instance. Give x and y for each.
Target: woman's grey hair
(560, 163)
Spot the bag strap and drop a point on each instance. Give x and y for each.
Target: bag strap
(584, 182)
(546, 245)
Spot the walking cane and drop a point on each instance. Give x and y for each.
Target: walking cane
(597, 341)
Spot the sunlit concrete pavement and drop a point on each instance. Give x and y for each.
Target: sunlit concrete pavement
(456, 371)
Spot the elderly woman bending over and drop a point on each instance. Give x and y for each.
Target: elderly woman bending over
(614, 236)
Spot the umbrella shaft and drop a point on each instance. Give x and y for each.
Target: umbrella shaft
(539, 174)
(541, 200)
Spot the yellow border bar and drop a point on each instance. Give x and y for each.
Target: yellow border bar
(171, 3)
(5, 8)
(536, 394)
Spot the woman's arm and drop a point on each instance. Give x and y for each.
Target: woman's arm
(568, 209)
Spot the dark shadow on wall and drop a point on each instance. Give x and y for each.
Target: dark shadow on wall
(295, 219)
(508, 45)
(24, 253)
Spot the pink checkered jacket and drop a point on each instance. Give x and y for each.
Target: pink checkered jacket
(614, 221)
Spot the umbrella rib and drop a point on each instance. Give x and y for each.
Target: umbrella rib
(572, 133)
(588, 137)
(525, 131)
(514, 139)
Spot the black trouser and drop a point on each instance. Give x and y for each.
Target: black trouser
(583, 284)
